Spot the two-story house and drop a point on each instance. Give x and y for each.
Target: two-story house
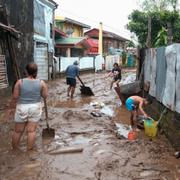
(110, 40)
(71, 45)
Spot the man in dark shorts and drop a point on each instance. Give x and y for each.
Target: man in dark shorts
(72, 72)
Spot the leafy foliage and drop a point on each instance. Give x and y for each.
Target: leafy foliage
(139, 21)
(161, 38)
(164, 15)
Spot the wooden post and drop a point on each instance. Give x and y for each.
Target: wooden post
(59, 66)
(169, 33)
(13, 56)
(11, 47)
(100, 46)
(148, 41)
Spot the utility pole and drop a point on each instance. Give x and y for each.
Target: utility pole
(100, 43)
(169, 33)
(148, 41)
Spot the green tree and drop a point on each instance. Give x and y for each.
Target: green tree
(161, 39)
(160, 18)
(138, 25)
(130, 44)
(154, 5)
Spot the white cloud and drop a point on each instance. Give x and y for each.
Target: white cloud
(113, 14)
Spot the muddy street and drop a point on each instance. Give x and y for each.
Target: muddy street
(87, 124)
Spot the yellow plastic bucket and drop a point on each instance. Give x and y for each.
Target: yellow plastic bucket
(150, 127)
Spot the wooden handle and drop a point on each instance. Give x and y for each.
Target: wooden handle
(46, 112)
(80, 81)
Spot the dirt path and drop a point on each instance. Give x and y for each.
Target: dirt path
(104, 156)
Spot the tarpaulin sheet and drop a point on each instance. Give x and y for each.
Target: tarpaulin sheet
(170, 86)
(160, 73)
(39, 18)
(152, 90)
(43, 24)
(178, 79)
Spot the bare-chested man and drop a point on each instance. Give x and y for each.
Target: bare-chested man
(135, 104)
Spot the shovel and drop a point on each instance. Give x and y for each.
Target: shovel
(47, 132)
(85, 90)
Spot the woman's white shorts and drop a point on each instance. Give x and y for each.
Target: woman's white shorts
(28, 112)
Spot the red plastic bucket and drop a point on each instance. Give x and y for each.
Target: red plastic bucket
(132, 135)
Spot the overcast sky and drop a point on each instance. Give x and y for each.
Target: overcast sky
(112, 13)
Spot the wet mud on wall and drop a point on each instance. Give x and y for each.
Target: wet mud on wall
(169, 124)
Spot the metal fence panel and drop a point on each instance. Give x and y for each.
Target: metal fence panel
(170, 86)
(160, 73)
(178, 79)
(152, 90)
(41, 58)
(147, 66)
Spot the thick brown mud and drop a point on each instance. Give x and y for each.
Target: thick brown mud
(105, 155)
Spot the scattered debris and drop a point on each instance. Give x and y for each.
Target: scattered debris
(130, 78)
(67, 150)
(96, 114)
(177, 154)
(122, 130)
(107, 111)
(97, 104)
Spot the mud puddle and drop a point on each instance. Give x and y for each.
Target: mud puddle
(104, 156)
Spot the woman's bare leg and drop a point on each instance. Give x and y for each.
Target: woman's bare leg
(18, 131)
(31, 134)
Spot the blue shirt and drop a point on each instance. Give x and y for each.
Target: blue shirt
(72, 71)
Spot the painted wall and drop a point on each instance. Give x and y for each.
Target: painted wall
(65, 26)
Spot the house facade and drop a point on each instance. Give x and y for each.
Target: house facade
(34, 20)
(110, 40)
(70, 45)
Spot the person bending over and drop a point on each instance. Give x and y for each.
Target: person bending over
(136, 104)
(72, 71)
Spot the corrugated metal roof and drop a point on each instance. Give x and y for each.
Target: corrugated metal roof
(69, 40)
(95, 33)
(64, 19)
(59, 33)
(90, 42)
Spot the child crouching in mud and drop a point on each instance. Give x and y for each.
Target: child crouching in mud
(135, 105)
